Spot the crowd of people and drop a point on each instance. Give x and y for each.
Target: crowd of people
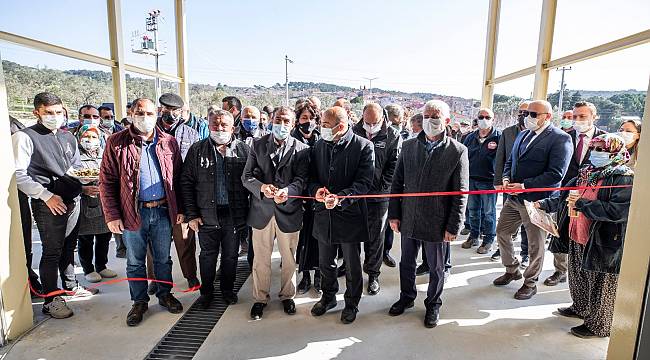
(315, 182)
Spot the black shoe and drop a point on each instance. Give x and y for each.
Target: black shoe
(193, 283)
(204, 301)
(317, 281)
(171, 304)
(120, 254)
(431, 317)
(136, 314)
(422, 269)
(349, 314)
(340, 272)
(322, 306)
(153, 288)
(569, 312)
(289, 306)
(257, 311)
(400, 306)
(305, 283)
(465, 231)
(373, 285)
(230, 297)
(583, 332)
(496, 256)
(389, 261)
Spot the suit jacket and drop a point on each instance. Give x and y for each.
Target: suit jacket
(291, 173)
(445, 168)
(507, 140)
(543, 164)
(574, 167)
(344, 168)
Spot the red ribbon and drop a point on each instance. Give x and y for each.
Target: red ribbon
(108, 282)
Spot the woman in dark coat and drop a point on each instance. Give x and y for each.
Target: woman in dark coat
(596, 234)
(306, 131)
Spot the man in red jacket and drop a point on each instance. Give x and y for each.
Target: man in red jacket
(138, 186)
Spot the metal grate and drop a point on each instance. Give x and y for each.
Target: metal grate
(186, 337)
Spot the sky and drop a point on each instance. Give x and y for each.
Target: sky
(410, 45)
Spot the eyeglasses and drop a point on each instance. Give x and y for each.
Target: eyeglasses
(534, 115)
(108, 117)
(566, 118)
(432, 118)
(523, 113)
(481, 117)
(600, 149)
(90, 116)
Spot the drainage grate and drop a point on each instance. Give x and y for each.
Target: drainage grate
(188, 334)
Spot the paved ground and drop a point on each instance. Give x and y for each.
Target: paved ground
(478, 321)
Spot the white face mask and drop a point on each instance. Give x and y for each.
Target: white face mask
(372, 129)
(92, 122)
(484, 124)
(107, 123)
(628, 137)
(531, 124)
(433, 127)
(327, 134)
(145, 124)
(89, 144)
(52, 122)
(582, 126)
(221, 137)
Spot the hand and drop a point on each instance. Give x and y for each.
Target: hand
(321, 193)
(90, 190)
(505, 183)
(449, 236)
(56, 205)
(394, 225)
(537, 205)
(281, 196)
(269, 190)
(331, 201)
(116, 226)
(194, 224)
(180, 218)
(514, 186)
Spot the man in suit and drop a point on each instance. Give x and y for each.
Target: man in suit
(539, 159)
(431, 162)
(276, 168)
(504, 149)
(582, 131)
(342, 164)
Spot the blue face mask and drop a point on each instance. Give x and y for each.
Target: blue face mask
(280, 132)
(600, 159)
(250, 124)
(270, 127)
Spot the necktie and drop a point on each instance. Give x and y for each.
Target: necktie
(525, 142)
(578, 154)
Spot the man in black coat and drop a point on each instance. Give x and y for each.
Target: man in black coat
(342, 164)
(277, 168)
(387, 143)
(431, 162)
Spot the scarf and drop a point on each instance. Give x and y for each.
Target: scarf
(589, 175)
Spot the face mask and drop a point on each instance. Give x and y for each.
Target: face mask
(531, 124)
(582, 126)
(145, 124)
(433, 127)
(599, 159)
(250, 124)
(306, 127)
(521, 120)
(170, 119)
(484, 124)
(270, 126)
(90, 144)
(221, 137)
(327, 134)
(92, 122)
(464, 129)
(566, 123)
(281, 132)
(107, 123)
(372, 129)
(52, 122)
(628, 137)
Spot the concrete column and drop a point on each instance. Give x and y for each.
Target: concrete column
(16, 313)
(181, 50)
(114, 12)
(490, 53)
(544, 47)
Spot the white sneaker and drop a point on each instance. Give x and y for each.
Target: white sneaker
(80, 291)
(108, 273)
(93, 277)
(57, 309)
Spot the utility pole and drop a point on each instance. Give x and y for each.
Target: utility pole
(145, 45)
(562, 87)
(370, 85)
(286, 81)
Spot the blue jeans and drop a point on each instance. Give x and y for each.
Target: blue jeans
(156, 231)
(482, 212)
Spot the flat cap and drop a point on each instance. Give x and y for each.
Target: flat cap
(171, 100)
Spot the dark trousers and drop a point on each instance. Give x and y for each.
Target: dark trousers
(26, 222)
(353, 275)
(58, 249)
(436, 258)
(211, 240)
(389, 236)
(374, 248)
(99, 252)
(447, 257)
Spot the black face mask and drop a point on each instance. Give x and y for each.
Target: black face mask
(306, 127)
(520, 120)
(169, 119)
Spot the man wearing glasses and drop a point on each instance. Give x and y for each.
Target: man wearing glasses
(539, 159)
(482, 149)
(108, 125)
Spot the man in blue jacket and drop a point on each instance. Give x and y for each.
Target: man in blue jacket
(482, 148)
(539, 159)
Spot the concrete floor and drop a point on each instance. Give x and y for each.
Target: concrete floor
(478, 321)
